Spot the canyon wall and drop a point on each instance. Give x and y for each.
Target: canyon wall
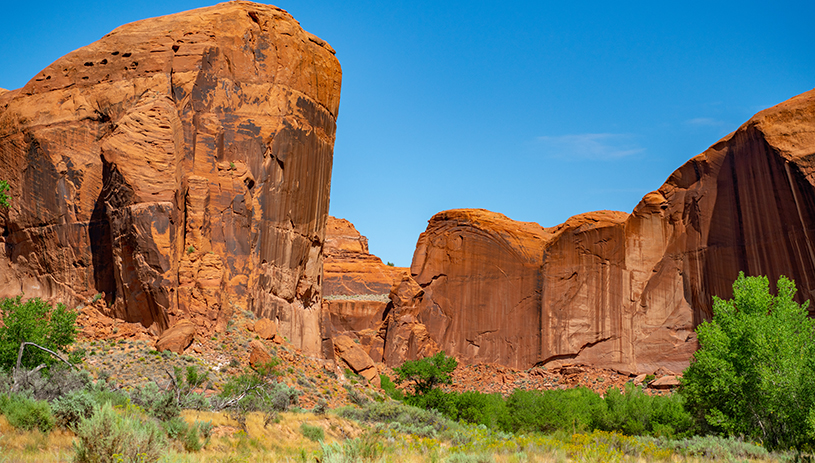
(356, 283)
(181, 167)
(617, 290)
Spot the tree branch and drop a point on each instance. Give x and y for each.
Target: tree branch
(26, 343)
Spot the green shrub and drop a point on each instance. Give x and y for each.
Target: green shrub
(320, 407)
(253, 392)
(191, 439)
(473, 407)
(712, 448)
(568, 410)
(754, 373)
(174, 427)
(389, 388)
(189, 435)
(478, 408)
(102, 394)
(200, 438)
(109, 436)
(314, 433)
(400, 417)
(425, 374)
(367, 448)
(71, 408)
(33, 321)
(636, 413)
(4, 197)
(24, 413)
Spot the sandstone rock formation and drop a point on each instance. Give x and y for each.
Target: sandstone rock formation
(356, 283)
(265, 328)
(180, 166)
(176, 338)
(618, 290)
(356, 358)
(258, 354)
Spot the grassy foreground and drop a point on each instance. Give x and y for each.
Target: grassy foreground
(339, 439)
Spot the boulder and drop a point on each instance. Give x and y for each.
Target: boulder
(625, 291)
(265, 328)
(177, 338)
(180, 165)
(639, 379)
(665, 382)
(258, 354)
(355, 357)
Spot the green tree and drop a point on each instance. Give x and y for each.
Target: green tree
(754, 372)
(33, 321)
(4, 197)
(427, 373)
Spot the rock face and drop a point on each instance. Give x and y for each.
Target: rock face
(181, 166)
(618, 290)
(356, 283)
(349, 268)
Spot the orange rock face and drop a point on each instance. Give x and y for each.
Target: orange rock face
(181, 166)
(349, 268)
(626, 291)
(356, 283)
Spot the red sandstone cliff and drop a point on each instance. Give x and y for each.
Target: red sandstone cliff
(349, 268)
(356, 283)
(180, 165)
(616, 290)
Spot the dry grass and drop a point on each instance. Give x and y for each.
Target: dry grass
(18, 446)
(279, 439)
(282, 441)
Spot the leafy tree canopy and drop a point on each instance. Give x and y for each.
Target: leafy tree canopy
(426, 373)
(754, 372)
(33, 321)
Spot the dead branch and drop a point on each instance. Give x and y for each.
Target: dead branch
(26, 343)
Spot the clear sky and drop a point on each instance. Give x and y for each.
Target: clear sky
(538, 110)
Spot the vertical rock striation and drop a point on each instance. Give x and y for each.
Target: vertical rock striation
(619, 290)
(181, 166)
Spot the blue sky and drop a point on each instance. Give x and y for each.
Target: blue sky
(538, 110)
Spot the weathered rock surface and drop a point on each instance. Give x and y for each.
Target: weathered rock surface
(177, 338)
(265, 328)
(403, 336)
(94, 324)
(356, 283)
(180, 166)
(665, 382)
(619, 290)
(349, 268)
(356, 358)
(258, 354)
